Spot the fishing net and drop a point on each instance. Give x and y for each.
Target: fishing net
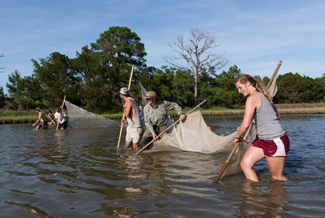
(81, 118)
(193, 135)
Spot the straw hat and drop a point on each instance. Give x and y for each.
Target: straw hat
(150, 94)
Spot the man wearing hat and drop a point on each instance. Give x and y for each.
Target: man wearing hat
(132, 114)
(156, 116)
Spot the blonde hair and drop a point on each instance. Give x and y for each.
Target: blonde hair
(243, 78)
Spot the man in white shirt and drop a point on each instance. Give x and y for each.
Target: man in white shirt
(61, 119)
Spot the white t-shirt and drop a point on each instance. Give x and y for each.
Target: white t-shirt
(60, 117)
(56, 115)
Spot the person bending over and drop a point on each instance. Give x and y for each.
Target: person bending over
(156, 117)
(42, 120)
(271, 140)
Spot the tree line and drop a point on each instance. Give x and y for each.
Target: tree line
(93, 78)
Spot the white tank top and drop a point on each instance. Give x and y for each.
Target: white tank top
(137, 123)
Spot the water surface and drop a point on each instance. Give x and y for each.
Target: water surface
(80, 173)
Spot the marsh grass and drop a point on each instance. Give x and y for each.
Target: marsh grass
(10, 117)
(17, 119)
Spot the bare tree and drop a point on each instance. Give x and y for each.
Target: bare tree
(194, 51)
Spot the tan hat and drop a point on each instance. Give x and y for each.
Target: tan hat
(150, 94)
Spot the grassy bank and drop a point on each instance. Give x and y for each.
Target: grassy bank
(10, 117)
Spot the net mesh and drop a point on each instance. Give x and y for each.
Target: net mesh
(81, 118)
(193, 135)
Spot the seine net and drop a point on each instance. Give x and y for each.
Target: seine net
(81, 118)
(193, 135)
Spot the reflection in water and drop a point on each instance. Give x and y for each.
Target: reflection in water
(261, 200)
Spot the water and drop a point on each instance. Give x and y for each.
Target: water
(79, 173)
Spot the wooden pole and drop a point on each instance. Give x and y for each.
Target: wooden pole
(237, 144)
(274, 74)
(169, 127)
(227, 161)
(121, 129)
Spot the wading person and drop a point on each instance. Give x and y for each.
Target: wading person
(156, 117)
(51, 117)
(61, 119)
(271, 141)
(42, 119)
(132, 114)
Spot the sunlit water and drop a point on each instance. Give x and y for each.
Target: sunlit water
(80, 173)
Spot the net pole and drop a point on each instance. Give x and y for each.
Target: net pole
(121, 129)
(274, 74)
(227, 161)
(169, 127)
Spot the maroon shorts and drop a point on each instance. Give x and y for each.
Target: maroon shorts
(278, 147)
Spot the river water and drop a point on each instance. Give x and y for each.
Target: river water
(80, 173)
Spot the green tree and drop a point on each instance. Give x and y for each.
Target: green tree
(318, 89)
(55, 79)
(196, 54)
(173, 85)
(105, 67)
(226, 94)
(15, 89)
(294, 88)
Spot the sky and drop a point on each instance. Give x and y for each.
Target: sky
(253, 35)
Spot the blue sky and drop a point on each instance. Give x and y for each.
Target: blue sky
(254, 35)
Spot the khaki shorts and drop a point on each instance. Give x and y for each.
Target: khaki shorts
(133, 134)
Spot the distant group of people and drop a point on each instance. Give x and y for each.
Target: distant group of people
(271, 141)
(59, 119)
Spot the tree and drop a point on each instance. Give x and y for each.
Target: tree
(16, 90)
(105, 67)
(294, 88)
(196, 53)
(55, 78)
(221, 90)
(173, 85)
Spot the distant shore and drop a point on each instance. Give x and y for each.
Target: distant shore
(11, 117)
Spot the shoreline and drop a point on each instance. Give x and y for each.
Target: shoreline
(316, 108)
